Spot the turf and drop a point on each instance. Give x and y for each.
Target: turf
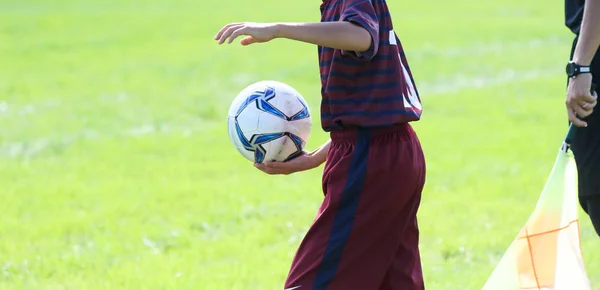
(116, 171)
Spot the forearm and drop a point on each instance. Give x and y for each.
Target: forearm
(338, 35)
(320, 155)
(589, 36)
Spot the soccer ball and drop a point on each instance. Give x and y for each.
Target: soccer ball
(269, 121)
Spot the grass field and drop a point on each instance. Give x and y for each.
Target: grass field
(116, 171)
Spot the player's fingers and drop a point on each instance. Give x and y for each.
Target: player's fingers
(227, 33)
(267, 169)
(239, 31)
(220, 32)
(261, 167)
(224, 28)
(274, 164)
(277, 167)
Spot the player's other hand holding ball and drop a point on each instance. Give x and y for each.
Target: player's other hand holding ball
(306, 161)
(303, 162)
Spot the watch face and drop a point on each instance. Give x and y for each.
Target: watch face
(570, 69)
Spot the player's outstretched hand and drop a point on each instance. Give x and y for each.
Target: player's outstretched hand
(580, 101)
(303, 162)
(254, 32)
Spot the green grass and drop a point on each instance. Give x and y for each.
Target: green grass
(116, 171)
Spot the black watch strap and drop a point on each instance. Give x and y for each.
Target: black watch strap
(573, 69)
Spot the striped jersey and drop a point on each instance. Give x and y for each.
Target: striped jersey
(366, 89)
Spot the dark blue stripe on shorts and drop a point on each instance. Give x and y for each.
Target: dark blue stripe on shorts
(344, 218)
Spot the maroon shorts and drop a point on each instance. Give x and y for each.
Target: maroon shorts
(365, 235)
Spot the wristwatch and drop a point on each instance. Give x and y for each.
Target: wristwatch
(574, 69)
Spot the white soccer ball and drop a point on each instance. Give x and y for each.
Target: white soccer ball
(269, 121)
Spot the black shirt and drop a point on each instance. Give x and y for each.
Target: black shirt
(574, 14)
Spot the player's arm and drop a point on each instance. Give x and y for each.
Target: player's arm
(306, 161)
(320, 155)
(580, 102)
(342, 35)
(357, 30)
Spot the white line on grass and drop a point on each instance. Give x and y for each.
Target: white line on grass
(31, 148)
(485, 48)
(459, 82)
(427, 50)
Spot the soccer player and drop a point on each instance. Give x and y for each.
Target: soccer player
(582, 17)
(365, 235)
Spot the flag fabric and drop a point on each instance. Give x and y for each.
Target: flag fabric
(546, 254)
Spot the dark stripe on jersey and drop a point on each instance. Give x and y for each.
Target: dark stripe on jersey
(332, 18)
(374, 16)
(335, 5)
(360, 74)
(336, 16)
(367, 114)
(393, 98)
(362, 88)
(354, 62)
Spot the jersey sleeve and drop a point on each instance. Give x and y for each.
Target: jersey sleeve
(362, 13)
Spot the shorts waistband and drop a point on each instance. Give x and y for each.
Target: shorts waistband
(350, 134)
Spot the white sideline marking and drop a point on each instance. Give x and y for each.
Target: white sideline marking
(427, 89)
(459, 82)
(485, 48)
(30, 148)
(425, 51)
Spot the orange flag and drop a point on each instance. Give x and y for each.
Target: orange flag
(546, 254)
